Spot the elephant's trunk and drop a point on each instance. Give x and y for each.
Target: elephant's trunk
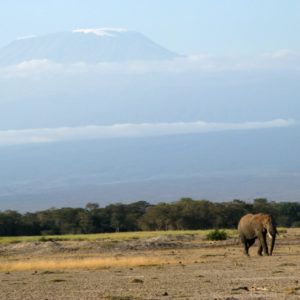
(272, 243)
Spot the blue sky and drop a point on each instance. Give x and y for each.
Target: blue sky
(233, 99)
(186, 27)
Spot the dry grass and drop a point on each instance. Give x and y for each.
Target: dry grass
(57, 262)
(89, 263)
(118, 236)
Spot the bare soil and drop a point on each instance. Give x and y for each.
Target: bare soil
(190, 268)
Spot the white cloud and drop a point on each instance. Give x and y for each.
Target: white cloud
(279, 60)
(47, 135)
(280, 53)
(31, 68)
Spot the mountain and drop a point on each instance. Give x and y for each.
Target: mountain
(84, 45)
(64, 125)
(218, 166)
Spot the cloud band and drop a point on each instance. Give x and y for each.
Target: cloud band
(279, 60)
(48, 135)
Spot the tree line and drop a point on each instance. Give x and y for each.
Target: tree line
(181, 215)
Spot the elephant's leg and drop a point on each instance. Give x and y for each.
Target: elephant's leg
(246, 248)
(263, 245)
(251, 242)
(260, 249)
(246, 245)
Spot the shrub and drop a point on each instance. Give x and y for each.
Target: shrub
(137, 280)
(216, 235)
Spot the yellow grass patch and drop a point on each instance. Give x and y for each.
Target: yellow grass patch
(90, 263)
(118, 236)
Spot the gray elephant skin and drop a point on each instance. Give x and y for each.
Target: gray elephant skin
(258, 226)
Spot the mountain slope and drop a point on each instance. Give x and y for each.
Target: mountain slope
(218, 166)
(84, 45)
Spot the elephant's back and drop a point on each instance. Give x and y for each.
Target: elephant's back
(244, 222)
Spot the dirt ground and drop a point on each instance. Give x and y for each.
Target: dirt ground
(189, 268)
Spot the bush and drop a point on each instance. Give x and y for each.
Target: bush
(137, 280)
(217, 235)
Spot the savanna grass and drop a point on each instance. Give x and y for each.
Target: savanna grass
(118, 236)
(86, 263)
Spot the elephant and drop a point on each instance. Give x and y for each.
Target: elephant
(251, 227)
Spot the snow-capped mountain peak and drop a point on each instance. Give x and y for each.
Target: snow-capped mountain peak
(102, 31)
(85, 45)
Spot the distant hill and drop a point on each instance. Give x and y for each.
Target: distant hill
(84, 45)
(217, 166)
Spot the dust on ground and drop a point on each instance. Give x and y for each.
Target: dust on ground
(191, 268)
